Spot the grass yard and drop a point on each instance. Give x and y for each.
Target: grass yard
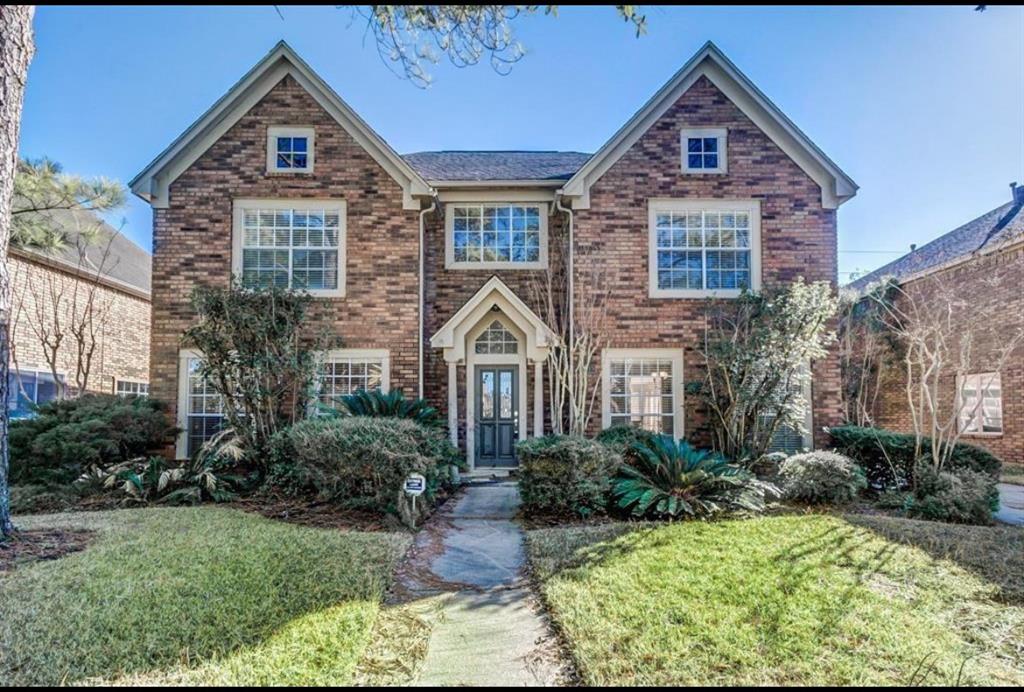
(1012, 473)
(807, 600)
(200, 595)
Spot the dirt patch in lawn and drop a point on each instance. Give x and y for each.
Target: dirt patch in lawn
(25, 547)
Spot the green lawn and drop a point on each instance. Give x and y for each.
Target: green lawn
(195, 595)
(1012, 473)
(808, 600)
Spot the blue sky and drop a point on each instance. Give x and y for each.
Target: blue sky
(923, 107)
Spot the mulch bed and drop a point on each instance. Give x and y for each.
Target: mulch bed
(25, 547)
(314, 513)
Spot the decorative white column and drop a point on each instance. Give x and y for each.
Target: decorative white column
(453, 403)
(538, 398)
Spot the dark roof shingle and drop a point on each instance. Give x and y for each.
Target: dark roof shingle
(496, 165)
(1001, 225)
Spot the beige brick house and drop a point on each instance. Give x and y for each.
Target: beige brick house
(98, 284)
(428, 265)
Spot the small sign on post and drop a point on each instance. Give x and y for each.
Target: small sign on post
(415, 484)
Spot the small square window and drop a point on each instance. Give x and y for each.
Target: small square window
(704, 150)
(290, 150)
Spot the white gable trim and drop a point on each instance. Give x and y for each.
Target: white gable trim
(153, 183)
(452, 336)
(710, 62)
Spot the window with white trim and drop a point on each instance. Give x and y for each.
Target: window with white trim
(496, 235)
(293, 244)
(27, 389)
(981, 403)
(131, 388)
(497, 339)
(203, 414)
(345, 371)
(703, 150)
(290, 149)
(703, 248)
(643, 389)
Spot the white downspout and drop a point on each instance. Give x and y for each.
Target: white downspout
(572, 295)
(422, 291)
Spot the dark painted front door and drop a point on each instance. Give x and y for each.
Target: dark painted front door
(497, 414)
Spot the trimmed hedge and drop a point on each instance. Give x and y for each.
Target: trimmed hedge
(821, 478)
(361, 461)
(961, 496)
(870, 448)
(563, 475)
(68, 436)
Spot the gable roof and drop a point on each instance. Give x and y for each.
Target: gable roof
(710, 62)
(1002, 226)
(153, 182)
(111, 255)
(439, 167)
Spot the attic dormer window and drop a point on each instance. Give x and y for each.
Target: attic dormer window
(704, 150)
(290, 150)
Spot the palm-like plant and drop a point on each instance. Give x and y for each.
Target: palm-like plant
(665, 479)
(392, 404)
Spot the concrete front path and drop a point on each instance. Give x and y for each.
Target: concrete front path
(488, 627)
(1011, 504)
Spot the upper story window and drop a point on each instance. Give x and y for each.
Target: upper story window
(703, 248)
(704, 150)
(496, 235)
(297, 244)
(981, 404)
(290, 150)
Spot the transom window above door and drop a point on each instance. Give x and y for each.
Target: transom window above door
(496, 235)
(290, 149)
(293, 244)
(709, 248)
(497, 339)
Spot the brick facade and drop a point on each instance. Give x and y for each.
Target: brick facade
(993, 283)
(122, 351)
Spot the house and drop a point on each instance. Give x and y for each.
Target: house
(984, 260)
(98, 286)
(428, 265)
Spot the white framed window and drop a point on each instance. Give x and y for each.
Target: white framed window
(200, 407)
(291, 243)
(643, 387)
(28, 388)
(981, 404)
(704, 150)
(290, 149)
(131, 388)
(704, 248)
(347, 370)
(495, 235)
(496, 339)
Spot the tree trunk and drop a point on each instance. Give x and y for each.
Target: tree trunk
(16, 49)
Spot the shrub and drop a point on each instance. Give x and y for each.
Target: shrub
(821, 478)
(392, 404)
(960, 496)
(561, 474)
(888, 457)
(70, 435)
(668, 480)
(362, 461)
(619, 438)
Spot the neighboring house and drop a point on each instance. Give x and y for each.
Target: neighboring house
(97, 285)
(428, 265)
(984, 259)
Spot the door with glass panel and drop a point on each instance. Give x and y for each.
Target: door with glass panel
(497, 415)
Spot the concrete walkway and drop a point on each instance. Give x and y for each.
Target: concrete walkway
(488, 628)
(1011, 504)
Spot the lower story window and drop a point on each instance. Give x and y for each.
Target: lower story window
(201, 409)
(131, 388)
(981, 403)
(345, 371)
(642, 388)
(27, 389)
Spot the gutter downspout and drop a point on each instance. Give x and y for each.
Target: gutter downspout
(571, 286)
(422, 291)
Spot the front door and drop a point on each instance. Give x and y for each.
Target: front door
(497, 414)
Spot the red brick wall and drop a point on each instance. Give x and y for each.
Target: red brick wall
(994, 283)
(122, 350)
(798, 236)
(192, 237)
